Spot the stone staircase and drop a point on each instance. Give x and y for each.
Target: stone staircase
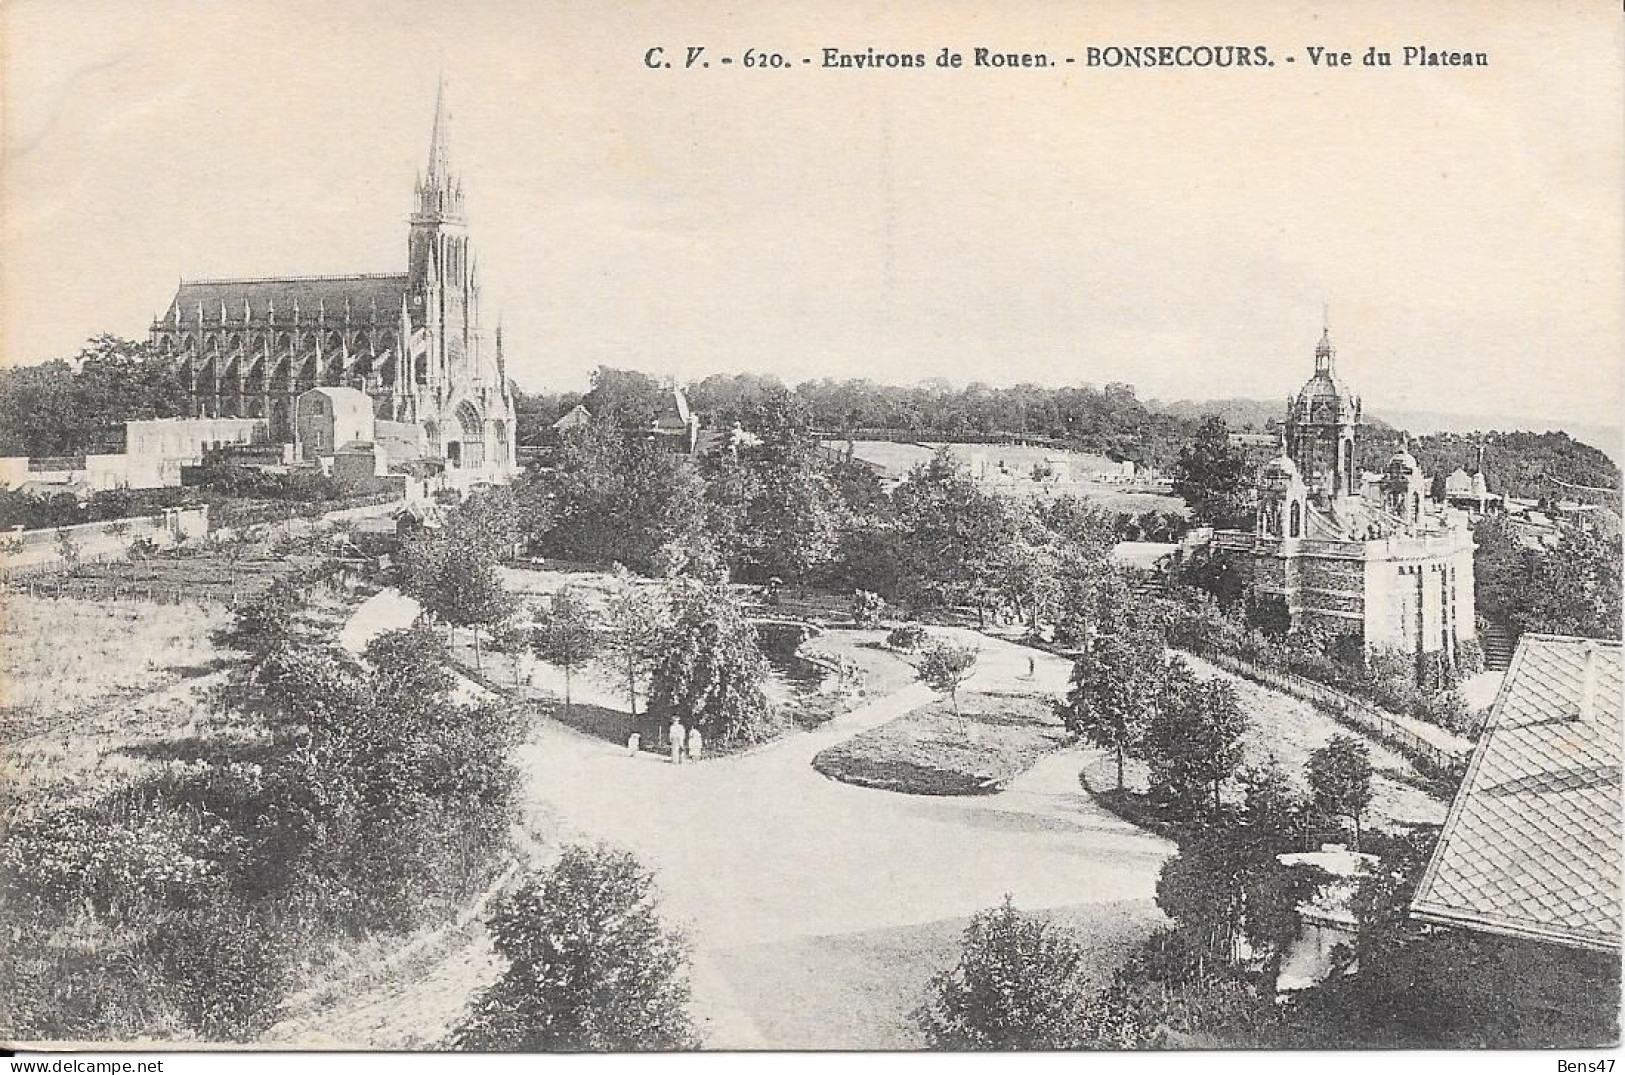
(1499, 640)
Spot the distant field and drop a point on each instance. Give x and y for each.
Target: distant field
(896, 459)
(1008, 468)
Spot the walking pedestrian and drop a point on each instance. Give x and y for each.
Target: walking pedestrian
(696, 743)
(678, 733)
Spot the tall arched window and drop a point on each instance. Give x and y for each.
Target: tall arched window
(1297, 518)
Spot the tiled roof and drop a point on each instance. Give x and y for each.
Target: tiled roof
(311, 293)
(1532, 844)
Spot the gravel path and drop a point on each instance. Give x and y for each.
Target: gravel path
(759, 849)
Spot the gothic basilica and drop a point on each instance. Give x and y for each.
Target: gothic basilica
(411, 344)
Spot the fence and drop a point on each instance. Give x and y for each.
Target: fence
(1383, 727)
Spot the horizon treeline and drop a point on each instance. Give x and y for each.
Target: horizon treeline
(67, 407)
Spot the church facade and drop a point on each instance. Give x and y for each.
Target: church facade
(414, 342)
(1369, 556)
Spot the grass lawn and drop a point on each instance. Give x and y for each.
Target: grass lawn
(859, 990)
(64, 657)
(1288, 730)
(599, 704)
(930, 752)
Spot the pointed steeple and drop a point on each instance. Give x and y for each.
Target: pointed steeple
(439, 174)
(439, 193)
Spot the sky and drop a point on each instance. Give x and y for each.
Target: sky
(1182, 230)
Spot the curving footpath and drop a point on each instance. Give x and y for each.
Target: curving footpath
(819, 910)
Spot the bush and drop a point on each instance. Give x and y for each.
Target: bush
(1390, 680)
(867, 608)
(1019, 984)
(908, 638)
(230, 966)
(1447, 709)
(590, 965)
(1436, 673)
(1469, 658)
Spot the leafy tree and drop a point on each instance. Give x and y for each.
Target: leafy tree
(1340, 779)
(1116, 683)
(567, 634)
(624, 500)
(591, 966)
(793, 520)
(944, 667)
(1212, 477)
(710, 670)
(624, 399)
(1227, 885)
(635, 624)
(1193, 741)
(1571, 589)
(78, 406)
(452, 571)
(1020, 983)
(948, 533)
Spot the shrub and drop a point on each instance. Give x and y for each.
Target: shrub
(1390, 679)
(1435, 672)
(1019, 984)
(1446, 708)
(591, 967)
(1469, 658)
(867, 608)
(230, 966)
(908, 637)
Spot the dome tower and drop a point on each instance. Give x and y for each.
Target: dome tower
(1322, 424)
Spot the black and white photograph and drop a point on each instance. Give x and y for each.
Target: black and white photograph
(541, 526)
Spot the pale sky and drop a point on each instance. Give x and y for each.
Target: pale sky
(1176, 229)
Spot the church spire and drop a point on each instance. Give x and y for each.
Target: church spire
(439, 192)
(439, 175)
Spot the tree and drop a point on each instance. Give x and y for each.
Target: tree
(1228, 885)
(452, 572)
(591, 966)
(710, 670)
(1115, 686)
(635, 624)
(619, 499)
(794, 518)
(948, 534)
(1340, 780)
(1193, 741)
(624, 399)
(1019, 984)
(567, 635)
(1211, 475)
(944, 667)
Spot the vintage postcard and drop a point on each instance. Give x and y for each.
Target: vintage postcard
(560, 527)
